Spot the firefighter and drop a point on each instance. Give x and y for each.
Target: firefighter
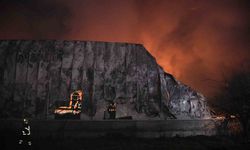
(25, 139)
(112, 110)
(225, 123)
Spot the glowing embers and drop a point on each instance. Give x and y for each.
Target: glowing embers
(72, 111)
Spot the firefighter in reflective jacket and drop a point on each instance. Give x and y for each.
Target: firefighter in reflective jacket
(112, 110)
(25, 139)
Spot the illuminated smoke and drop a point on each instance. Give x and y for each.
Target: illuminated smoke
(195, 40)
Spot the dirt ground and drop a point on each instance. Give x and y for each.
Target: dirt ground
(126, 143)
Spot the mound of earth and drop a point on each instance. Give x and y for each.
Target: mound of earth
(36, 75)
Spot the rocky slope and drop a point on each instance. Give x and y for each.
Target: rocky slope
(36, 75)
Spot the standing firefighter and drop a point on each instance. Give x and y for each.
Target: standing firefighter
(25, 137)
(112, 110)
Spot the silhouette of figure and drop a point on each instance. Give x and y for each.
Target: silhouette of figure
(112, 110)
(25, 138)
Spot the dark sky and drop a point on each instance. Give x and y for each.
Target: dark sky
(195, 40)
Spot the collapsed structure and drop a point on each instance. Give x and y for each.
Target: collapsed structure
(36, 76)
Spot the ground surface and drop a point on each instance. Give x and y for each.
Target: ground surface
(85, 135)
(121, 143)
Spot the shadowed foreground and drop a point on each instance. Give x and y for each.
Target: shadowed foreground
(121, 135)
(114, 142)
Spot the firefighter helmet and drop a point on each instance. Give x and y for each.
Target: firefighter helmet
(25, 120)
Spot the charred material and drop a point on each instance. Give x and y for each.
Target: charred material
(35, 74)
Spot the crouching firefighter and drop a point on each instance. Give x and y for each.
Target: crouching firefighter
(25, 137)
(112, 110)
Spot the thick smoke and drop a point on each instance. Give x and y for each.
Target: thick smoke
(201, 42)
(34, 19)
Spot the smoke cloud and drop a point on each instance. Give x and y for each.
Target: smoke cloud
(201, 42)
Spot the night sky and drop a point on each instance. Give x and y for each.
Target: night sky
(195, 40)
